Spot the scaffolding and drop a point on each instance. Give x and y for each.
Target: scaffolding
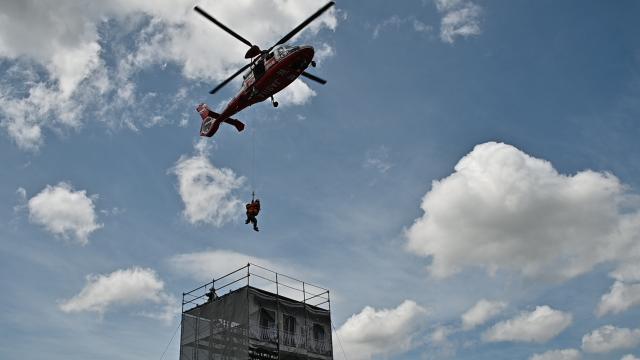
(262, 315)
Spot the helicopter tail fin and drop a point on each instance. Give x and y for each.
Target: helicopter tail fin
(211, 120)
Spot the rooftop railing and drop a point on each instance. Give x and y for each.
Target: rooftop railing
(261, 278)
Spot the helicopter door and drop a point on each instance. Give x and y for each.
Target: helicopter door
(258, 69)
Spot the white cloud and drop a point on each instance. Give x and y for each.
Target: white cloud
(324, 52)
(68, 56)
(440, 335)
(381, 332)
(629, 357)
(378, 159)
(207, 191)
(298, 93)
(540, 325)
(516, 212)
(22, 199)
(397, 21)
(419, 26)
(608, 338)
(483, 311)
(133, 286)
(620, 298)
(628, 271)
(64, 212)
(565, 354)
(439, 343)
(460, 18)
(394, 20)
(205, 265)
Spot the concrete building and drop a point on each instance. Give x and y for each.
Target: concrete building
(262, 315)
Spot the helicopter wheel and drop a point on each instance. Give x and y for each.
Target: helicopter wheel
(313, 63)
(275, 104)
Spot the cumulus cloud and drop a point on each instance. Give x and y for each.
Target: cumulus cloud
(627, 271)
(207, 191)
(440, 335)
(64, 212)
(565, 354)
(504, 209)
(460, 18)
(203, 266)
(69, 56)
(609, 338)
(133, 286)
(629, 357)
(540, 325)
(481, 312)
(298, 93)
(381, 332)
(620, 298)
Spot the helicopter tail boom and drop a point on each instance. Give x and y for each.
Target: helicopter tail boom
(211, 121)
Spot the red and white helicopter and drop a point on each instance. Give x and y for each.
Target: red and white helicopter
(269, 72)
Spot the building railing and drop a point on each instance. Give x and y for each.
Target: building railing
(252, 275)
(263, 333)
(291, 339)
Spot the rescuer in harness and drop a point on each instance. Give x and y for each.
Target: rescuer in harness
(253, 208)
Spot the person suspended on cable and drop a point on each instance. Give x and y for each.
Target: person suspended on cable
(253, 208)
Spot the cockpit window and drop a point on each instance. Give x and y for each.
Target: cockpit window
(283, 50)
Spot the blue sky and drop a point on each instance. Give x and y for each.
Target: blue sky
(465, 184)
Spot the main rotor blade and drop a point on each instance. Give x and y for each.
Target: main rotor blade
(223, 26)
(229, 79)
(313, 77)
(304, 24)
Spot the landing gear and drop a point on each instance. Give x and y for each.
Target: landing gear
(313, 63)
(273, 102)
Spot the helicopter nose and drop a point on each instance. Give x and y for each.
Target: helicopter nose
(307, 51)
(305, 54)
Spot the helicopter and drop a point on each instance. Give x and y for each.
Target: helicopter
(269, 71)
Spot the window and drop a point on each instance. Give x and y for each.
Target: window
(267, 330)
(289, 323)
(267, 318)
(289, 330)
(281, 52)
(318, 333)
(258, 69)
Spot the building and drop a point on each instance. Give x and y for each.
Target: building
(262, 315)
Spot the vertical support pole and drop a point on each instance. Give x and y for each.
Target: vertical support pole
(181, 323)
(212, 298)
(248, 330)
(306, 327)
(278, 322)
(330, 323)
(196, 340)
